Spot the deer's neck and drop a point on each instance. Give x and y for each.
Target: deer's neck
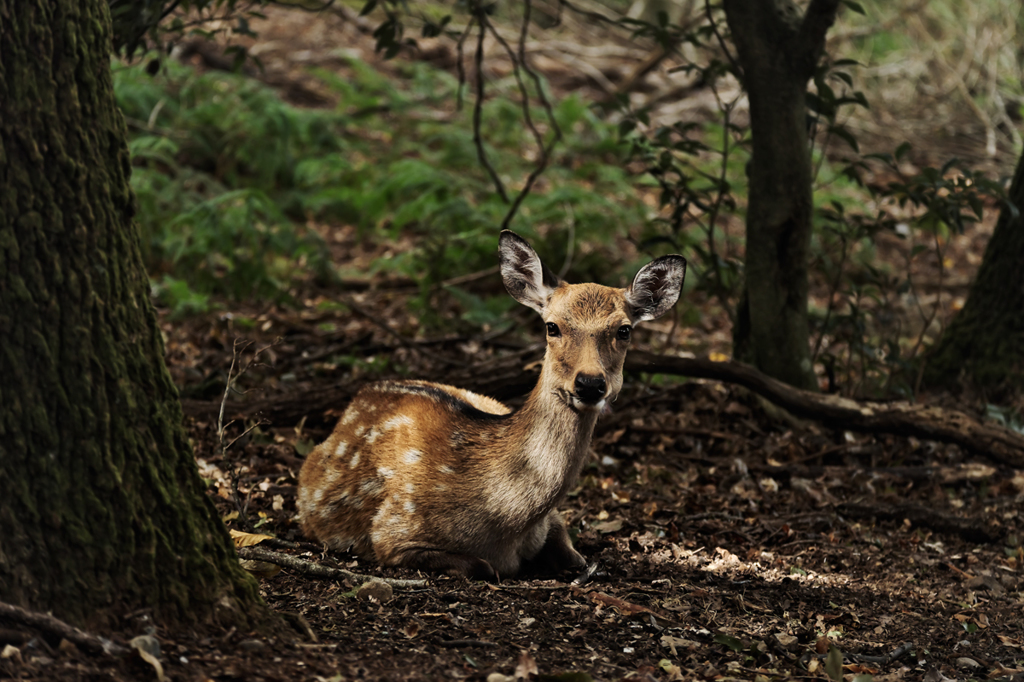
(555, 438)
(546, 444)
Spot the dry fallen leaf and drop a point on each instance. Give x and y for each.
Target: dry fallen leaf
(608, 526)
(248, 539)
(148, 649)
(375, 590)
(526, 666)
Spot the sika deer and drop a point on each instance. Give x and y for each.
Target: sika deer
(434, 477)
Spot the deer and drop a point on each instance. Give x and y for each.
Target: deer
(436, 478)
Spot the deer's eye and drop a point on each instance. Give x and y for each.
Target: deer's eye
(553, 329)
(624, 332)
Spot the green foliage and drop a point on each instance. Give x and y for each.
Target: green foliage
(864, 340)
(142, 24)
(228, 176)
(216, 210)
(698, 168)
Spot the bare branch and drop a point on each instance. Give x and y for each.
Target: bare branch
(460, 51)
(520, 63)
(479, 106)
(721, 41)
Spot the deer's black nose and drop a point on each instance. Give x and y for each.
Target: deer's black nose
(590, 389)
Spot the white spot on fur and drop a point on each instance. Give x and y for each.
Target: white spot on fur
(397, 421)
(445, 469)
(350, 416)
(412, 456)
(386, 472)
(410, 488)
(359, 430)
(371, 436)
(318, 495)
(409, 506)
(355, 460)
(342, 447)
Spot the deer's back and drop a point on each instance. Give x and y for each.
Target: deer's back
(403, 458)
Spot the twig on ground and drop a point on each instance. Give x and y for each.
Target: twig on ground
(318, 571)
(894, 655)
(456, 643)
(58, 628)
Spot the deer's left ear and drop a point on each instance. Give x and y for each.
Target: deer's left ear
(655, 289)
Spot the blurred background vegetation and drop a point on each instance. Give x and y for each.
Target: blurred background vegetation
(249, 192)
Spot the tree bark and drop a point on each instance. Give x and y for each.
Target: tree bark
(103, 511)
(777, 50)
(984, 345)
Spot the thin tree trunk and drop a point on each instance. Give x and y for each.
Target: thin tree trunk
(102, 510)
(777, 49)
(984, 345)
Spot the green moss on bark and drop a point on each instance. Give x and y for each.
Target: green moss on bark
(104, 511)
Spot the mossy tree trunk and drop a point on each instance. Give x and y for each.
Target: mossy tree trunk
(984, 345)
(102, 509)
(778, 47)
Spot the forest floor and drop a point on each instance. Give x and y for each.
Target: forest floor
(731, 541)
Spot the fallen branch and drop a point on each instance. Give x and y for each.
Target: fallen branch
(316, 570)
(989, 440)
(58, 628)
(919, 516)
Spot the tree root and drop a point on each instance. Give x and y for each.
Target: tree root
(923, 517)
(989, 440)
(58, 628)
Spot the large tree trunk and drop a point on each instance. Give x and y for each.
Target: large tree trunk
(777, 49)
(103, 510)
(984, 345)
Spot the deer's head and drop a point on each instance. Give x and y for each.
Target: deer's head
(588, 325)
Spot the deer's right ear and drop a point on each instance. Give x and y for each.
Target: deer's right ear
(526, 278)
